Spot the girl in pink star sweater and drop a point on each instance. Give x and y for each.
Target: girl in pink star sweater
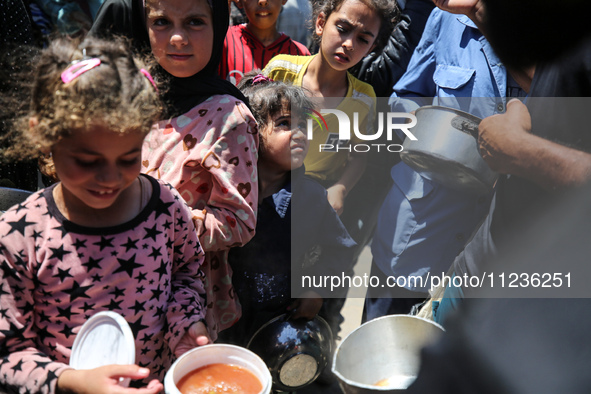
(103, 238)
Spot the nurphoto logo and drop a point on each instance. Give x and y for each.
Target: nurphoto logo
(340, 139)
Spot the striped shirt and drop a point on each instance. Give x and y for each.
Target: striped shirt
(243, 52)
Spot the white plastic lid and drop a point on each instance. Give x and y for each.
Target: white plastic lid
(104, 339)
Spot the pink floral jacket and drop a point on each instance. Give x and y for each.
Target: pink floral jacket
(209, 155)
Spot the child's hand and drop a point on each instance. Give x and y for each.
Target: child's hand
(336, 197)
(103, 380)
(306, 308)
(196, 335)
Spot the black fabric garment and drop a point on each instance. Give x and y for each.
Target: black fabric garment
(383, 69)
(529, 345)
(520, 346)
(519, 30)
(296, 234)
(523, 345)
(567, 77)
(122, 18)
(15, 24)
(127, 18)
(559, 110)
(559, 103)
(17, 49)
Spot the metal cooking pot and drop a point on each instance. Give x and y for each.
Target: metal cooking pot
(295, 351)
(383, 351)
(446, 150)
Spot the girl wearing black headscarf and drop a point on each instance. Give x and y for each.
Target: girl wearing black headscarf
(207, 145)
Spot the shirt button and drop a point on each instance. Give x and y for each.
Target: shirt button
(459, 236)
(500, 107)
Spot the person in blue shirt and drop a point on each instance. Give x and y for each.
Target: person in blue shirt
(298, 232)
(541, 221)
(423, 225)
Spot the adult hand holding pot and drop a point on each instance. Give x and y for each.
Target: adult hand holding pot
(507, 146)
(502, 137)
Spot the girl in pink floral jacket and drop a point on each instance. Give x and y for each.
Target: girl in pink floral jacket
(206, 146)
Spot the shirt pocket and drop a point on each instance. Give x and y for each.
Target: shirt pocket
(454, 78)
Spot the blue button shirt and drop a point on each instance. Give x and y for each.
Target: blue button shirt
(423, 225)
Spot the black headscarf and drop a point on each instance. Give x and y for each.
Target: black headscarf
(127, 18)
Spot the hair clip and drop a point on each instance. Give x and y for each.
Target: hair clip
(260, 78)
(79, 68)
(147, 74)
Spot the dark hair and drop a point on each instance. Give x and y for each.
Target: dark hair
(114, 94)
(267, 97)
(386, 9)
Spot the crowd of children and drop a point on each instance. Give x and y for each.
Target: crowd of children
(163, 207)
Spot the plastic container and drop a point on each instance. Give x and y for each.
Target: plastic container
(217, 354)
(104, 339)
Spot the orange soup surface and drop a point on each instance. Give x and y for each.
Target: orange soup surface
(218, 379)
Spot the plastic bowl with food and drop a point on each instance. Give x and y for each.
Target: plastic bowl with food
(218, 368)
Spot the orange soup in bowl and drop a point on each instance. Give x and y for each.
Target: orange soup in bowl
(218, 379)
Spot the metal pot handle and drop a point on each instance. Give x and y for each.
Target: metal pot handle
(465, 125)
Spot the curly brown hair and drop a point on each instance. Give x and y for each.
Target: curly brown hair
(386, 9)
(115, 95)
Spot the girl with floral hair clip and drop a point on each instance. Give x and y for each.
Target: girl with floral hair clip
(103, 238)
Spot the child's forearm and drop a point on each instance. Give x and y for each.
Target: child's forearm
(351, 175)
(222, 228)
(229, 216)
(353, 171)
(186, 305)
(103, 379)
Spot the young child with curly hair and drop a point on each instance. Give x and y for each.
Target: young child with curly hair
(103, 238)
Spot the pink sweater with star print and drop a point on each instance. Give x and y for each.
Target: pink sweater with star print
(55, 274)
(209, 155)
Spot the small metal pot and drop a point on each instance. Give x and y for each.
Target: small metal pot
(386, 349)
(295, 351)
(446, 150)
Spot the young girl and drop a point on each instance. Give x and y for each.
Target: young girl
(206, 146)
(289, 230)
(347, 31)
(103, 238)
